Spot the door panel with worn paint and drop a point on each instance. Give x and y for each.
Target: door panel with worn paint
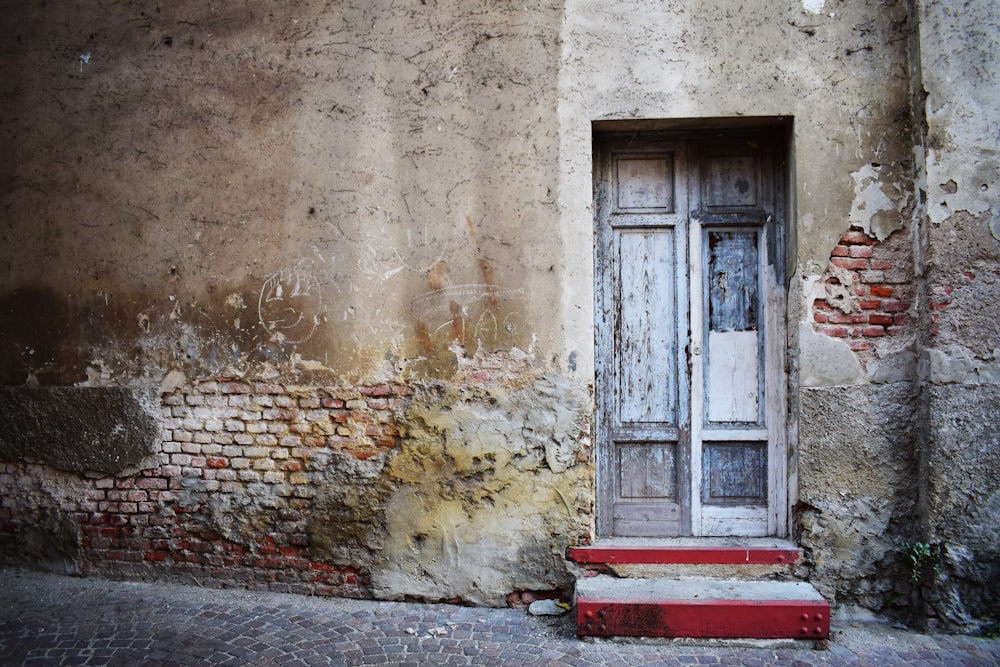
(689, 336)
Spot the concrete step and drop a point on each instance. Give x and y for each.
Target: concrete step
(613, 607)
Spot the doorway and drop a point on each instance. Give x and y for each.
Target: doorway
(690, 333)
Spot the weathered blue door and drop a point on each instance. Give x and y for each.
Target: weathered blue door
(690, 339)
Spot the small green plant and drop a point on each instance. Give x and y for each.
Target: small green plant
(919, 555)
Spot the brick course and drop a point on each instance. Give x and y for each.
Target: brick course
(158, 522)
(878, 281)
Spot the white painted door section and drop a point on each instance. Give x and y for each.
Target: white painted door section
(690, 335)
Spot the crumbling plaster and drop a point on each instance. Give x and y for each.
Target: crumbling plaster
(841, 73)
(360, 191)
(960, 369)
(959, 43)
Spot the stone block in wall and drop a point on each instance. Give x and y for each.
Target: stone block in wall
(101, 429)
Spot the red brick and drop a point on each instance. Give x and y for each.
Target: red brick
(881, 291)
(217, 462)
(895, 331)
(857, 238)
(819, 318)
(869, 277)
(881, 264)
(870, 304)
(861, 251)
(361, 454)
(873, 332)
(858, 345)
(852, 264)
(901, 318)
(880, 318)
(897, 306)
(841, 318)
(234, 388)
(840, 251)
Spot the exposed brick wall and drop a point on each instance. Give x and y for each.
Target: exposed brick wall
(222, 442)
(869, 290)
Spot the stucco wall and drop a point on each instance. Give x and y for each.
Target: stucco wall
(316, 196)
(224, 187)
(840, 71)
(961, 363)
(311, 200)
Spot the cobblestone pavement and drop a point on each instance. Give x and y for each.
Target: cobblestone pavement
(47, 619)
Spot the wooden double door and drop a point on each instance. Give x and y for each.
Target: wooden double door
(690, 311)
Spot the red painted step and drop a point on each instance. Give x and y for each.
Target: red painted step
(617, 553)
(611, 607)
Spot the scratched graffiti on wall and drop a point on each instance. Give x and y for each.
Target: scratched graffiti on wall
(290, 306)
(474, 315)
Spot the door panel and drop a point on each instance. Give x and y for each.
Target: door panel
(648, 471)
(690, 388)
(734, 473)
(731, 394)
(645, 183)
(733, 281)
(730, 182)
(646, 340)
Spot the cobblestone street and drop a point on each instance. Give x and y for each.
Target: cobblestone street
(56, 620)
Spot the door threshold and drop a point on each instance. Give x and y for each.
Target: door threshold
(689, 550)
(674, 542)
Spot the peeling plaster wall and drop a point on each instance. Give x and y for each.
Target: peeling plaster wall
(961, 363)
(276, 212)
(303, 195)
(841, 72)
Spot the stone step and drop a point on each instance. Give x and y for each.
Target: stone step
(613, 607)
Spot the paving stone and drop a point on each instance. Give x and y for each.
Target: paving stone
(48, 619)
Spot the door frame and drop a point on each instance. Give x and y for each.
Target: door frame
(780, 475)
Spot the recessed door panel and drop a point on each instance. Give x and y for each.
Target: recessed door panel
(648, 471)
(646, 340)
